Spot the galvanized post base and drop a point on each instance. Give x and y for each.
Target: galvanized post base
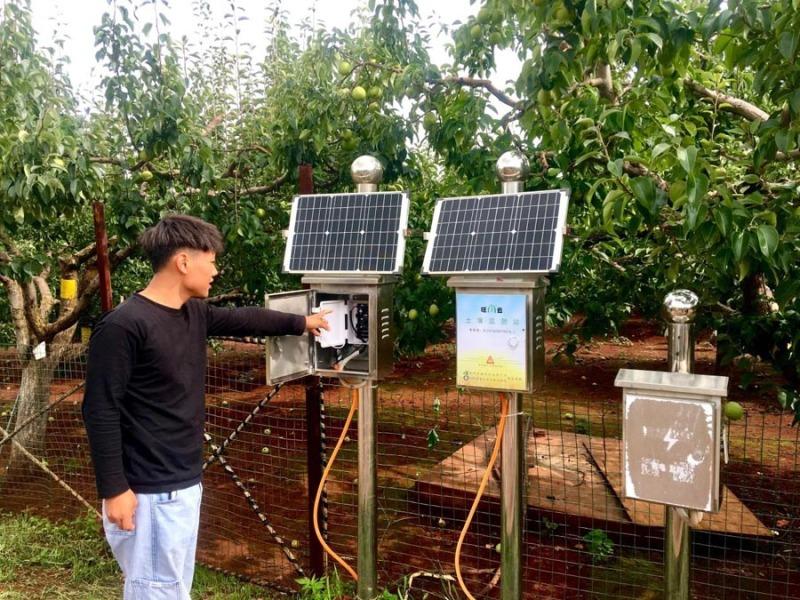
(676, 556)
(513, 461)
(367, 498)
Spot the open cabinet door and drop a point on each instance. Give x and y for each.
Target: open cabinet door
(289, 356)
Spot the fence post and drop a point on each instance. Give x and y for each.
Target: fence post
(316, 556)
(680, 307)
(103, 267)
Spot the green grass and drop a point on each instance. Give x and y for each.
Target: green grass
(70, 561)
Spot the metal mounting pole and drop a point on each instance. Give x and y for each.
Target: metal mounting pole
(367, 173)
(512, 169)
(680, 308)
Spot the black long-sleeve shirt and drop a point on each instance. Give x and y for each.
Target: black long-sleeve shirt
(144, 402)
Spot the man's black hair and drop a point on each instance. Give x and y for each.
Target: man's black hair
(175, 232)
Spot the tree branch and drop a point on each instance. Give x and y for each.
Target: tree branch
(639, 170)
(16, 303)
(46, 296)
(603, 82)
(31, 306)
(11, 248)
(485, 84)
(71, 317)
(735, 105)
(259, 189)
(226, 297)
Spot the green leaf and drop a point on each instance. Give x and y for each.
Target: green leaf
(739, 245)
(615, 167)
(782, 139)
(660, 149)
(644, 190)
(610, 204)
(687, 157)
(433, 439)
(788, 44)
(655, 38)
(767, 239)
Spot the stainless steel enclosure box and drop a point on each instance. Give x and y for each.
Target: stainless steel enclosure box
(671, 435)
(293, 357)
(533, 288)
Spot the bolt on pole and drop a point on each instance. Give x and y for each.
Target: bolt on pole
(680, 308)
(512, 169)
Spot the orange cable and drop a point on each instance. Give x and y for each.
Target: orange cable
(328, 549)
(481, 488)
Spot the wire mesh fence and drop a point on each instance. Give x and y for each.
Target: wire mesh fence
(581, 540)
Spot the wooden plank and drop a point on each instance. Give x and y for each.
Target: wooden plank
(561, 476)
(733, 518)
(576, 475)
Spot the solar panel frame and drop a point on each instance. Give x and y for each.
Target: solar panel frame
(558, 232)
(339, 233)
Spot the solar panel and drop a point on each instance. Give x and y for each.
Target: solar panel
(347, 233)
(503, 233)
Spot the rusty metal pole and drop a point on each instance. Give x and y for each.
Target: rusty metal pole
(316, 555)
(103, 265)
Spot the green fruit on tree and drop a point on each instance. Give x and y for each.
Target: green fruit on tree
(412, 314)
(358, 93)
(496, 38)
(350, 144)
(544, 97)
(375, 92)
(260, 212)
(145, 175)
(734, 411)
(345, 68)
(562, 14)
(58, 163)
(374, 106)
(485, 15)
(347, 134)
(429, 120)
(476, 32)
(433, 310)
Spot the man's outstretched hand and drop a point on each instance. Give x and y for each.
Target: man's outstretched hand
(317, 321)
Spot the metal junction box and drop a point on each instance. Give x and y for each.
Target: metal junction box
(499, 332)
(671, 437)
(361, 340)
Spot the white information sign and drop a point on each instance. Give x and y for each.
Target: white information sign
(492, 346)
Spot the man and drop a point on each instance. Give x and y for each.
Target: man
(144, 404)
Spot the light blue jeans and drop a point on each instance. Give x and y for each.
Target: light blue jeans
(157, 558)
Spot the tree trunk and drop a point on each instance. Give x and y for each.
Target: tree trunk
(34, 395)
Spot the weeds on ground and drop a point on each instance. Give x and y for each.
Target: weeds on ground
(70, 561)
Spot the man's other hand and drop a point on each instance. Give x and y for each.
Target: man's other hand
(318, 321)
(121, 509)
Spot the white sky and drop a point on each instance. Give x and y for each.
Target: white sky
(76, 18)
